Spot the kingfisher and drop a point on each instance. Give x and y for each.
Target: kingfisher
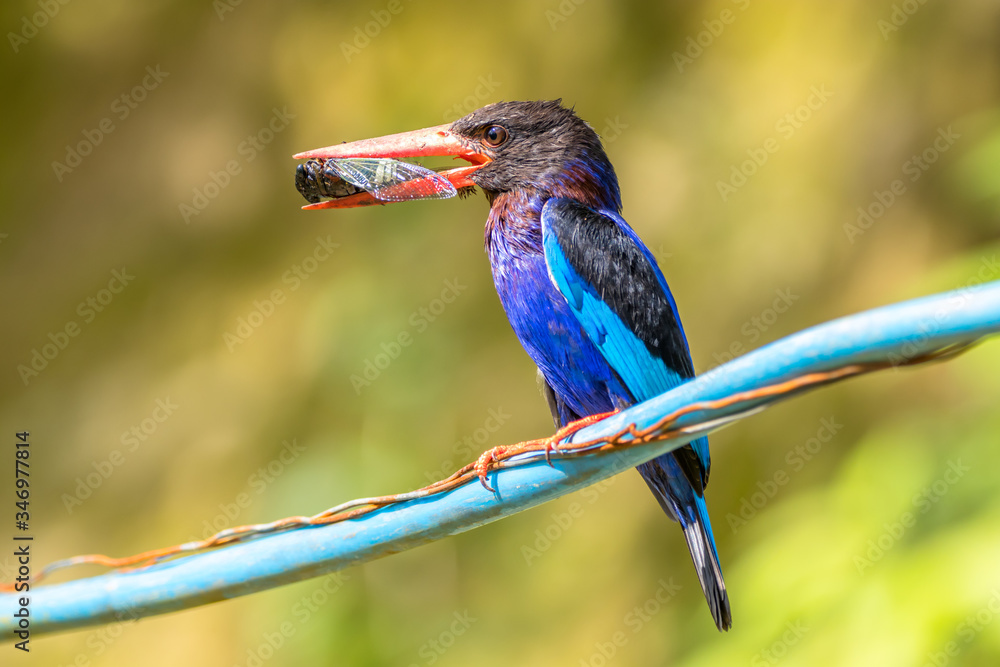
(584, 296)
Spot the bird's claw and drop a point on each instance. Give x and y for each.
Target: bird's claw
(550, 446)
(485, 461)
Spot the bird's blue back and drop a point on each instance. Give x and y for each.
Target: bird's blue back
(563, 343)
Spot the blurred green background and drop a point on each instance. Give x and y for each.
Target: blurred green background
(880, 545)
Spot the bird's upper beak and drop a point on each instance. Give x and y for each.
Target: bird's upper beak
(431, 141)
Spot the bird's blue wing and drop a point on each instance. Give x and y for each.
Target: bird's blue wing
(619, 295)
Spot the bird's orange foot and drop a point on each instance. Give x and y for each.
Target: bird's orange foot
(552, 444)
(488, 458)
(486, 461)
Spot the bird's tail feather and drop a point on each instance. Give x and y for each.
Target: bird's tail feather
(701, 544)
(682, 503)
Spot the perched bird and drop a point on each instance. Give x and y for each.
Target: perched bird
(583, 294)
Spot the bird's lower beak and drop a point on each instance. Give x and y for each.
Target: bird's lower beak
(431, 141)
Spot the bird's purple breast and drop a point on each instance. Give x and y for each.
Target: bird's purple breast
(542, 320)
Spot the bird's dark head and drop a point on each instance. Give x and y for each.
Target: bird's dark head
(541, 147)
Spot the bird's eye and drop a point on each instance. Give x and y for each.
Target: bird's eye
(495, 135)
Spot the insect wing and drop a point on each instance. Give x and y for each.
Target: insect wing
(411, 181)
(359, 172)
(393, 180)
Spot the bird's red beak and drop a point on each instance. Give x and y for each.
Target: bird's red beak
(431, 141)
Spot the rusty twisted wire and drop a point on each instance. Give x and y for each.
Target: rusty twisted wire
(556, 445)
